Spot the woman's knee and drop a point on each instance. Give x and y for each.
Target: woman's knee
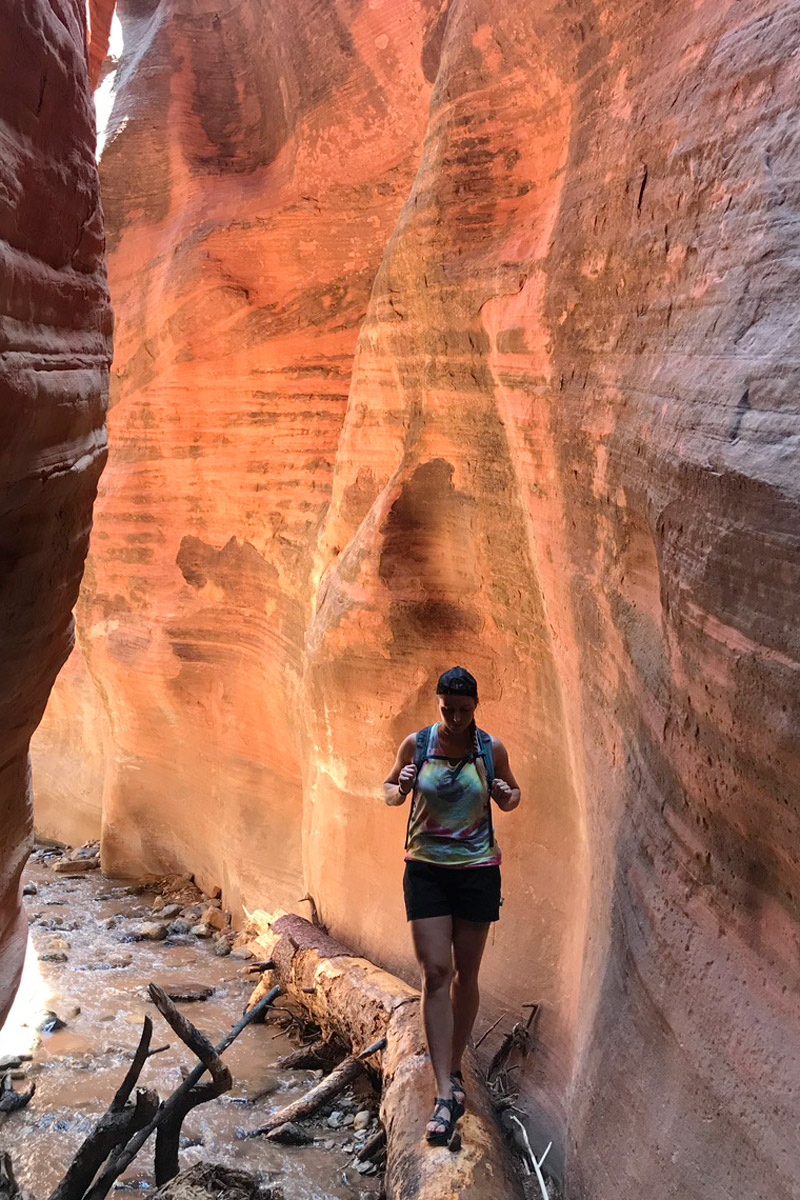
(466, 981)
(436, 976)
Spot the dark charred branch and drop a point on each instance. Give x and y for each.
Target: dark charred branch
(169, 1110)
(134, 1070)
(373, 1147)
(11, 1100)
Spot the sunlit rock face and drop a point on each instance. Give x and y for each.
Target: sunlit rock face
(55, 328)
(561, 452)
(252, 172)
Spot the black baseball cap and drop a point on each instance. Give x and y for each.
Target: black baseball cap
(457, 682)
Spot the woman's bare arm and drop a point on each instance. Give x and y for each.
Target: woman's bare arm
(400, 780)
(505, 789)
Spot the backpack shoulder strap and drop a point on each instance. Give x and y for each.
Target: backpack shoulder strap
(421, 746)
(486, 751)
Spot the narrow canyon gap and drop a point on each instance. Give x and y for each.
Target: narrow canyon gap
(465, 333)
(55, 348)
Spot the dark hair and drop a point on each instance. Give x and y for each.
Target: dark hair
(457, 682)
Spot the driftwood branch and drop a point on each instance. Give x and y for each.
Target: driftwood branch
(517, 1038)
(135, 1069)
(170, 1108)
(9, 1188)
(11, 1100)
(373, 1147)
(115, 1126)
(318, 1095)
(169, 1128)
(318, 1054)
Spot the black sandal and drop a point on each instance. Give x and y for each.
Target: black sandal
(451, 1107)
(457, 1080)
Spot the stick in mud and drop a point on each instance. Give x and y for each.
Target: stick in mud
(126, 1155)
(115, 1126)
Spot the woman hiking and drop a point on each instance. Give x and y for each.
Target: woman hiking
(452, 770)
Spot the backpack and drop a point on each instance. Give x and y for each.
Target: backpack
(482, 749)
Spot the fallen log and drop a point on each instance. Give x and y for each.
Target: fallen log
(356, 1002)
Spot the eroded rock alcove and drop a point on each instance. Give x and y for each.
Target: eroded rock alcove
(459, 332)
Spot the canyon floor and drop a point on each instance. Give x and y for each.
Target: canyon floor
(84, 968)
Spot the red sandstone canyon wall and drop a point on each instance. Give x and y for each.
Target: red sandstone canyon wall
(463, 333)
(55, 337)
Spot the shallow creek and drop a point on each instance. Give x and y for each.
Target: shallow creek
(78, 1068)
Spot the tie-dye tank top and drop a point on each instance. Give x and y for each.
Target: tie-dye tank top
(449, 824)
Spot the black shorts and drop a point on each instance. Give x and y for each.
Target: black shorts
(471, 893)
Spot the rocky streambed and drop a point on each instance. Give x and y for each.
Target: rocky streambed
(95, 945)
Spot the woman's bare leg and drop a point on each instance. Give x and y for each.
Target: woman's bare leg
(433, 946)
(469, 940)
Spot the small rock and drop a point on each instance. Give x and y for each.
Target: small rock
(202, 931)
(120, 960)
(364, 1168)
(58, 943)
(362, 1119)
(69, 866)
(290, 1134)
(54, 956)
(18, 1074)
(222, 947)
(241, 953)
(336, 1119)
(192, 913)
(10, 1061)
(108, 922)
(186, 1141)
(50, 1022)
(186, 993)
(149, 931)
(215, 918)
(329, 1143)
(30, 889)
(158, 904)
(87, 851)
(168, 911)
(348, 1119)
(179, 927)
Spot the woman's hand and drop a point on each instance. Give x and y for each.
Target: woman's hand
(403, 775)
(505, 797)
(407, 779)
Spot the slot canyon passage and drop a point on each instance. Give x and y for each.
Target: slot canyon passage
(444, 332)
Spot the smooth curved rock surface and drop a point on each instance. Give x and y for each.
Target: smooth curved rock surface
(561, 451)
(55, 337)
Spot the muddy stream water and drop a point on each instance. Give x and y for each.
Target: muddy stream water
(100, 992)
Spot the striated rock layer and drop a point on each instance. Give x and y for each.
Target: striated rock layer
(560, 452)
(55, 336)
